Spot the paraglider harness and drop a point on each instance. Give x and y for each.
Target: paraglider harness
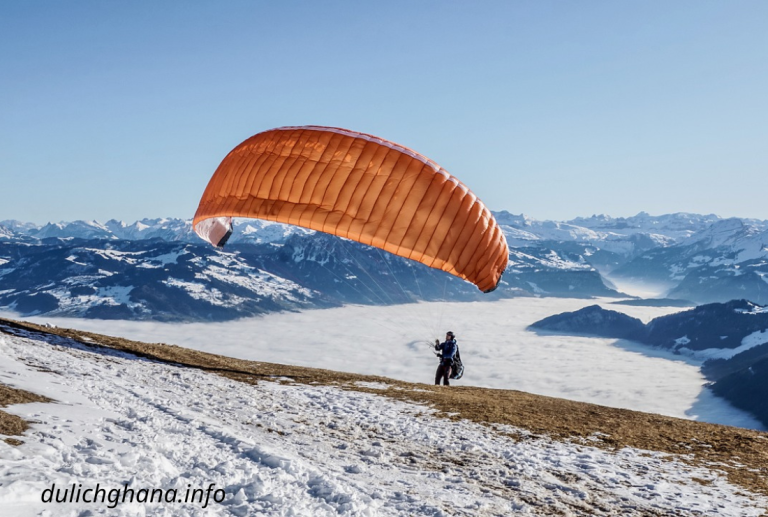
(457, 367)
(457, 371)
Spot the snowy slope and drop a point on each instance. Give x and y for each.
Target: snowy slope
(619, 235)
(80, 229)
(727, 260)
(674, 226)
(141, 280)
(5, 233)
(284, 449)
(740, 240)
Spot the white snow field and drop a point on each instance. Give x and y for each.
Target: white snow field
(496, 348)
(130, 426)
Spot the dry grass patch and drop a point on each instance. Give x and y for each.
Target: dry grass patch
(12, 425)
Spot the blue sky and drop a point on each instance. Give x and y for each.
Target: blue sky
(553, 109)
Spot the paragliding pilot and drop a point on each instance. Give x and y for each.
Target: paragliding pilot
(447, 352)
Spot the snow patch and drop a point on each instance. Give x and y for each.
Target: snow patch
(168, 258)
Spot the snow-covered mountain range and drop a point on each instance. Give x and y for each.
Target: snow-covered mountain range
(167, 229)
(159, 269)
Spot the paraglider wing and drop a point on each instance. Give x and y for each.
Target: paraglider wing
(360, 187)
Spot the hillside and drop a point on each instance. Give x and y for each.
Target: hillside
(497, 451)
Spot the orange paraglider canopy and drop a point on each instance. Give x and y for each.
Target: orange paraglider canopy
(360, 187)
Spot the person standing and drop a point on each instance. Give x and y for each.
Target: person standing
(447, 351)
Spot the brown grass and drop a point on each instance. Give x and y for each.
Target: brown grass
(12, 425)
(741, 454)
